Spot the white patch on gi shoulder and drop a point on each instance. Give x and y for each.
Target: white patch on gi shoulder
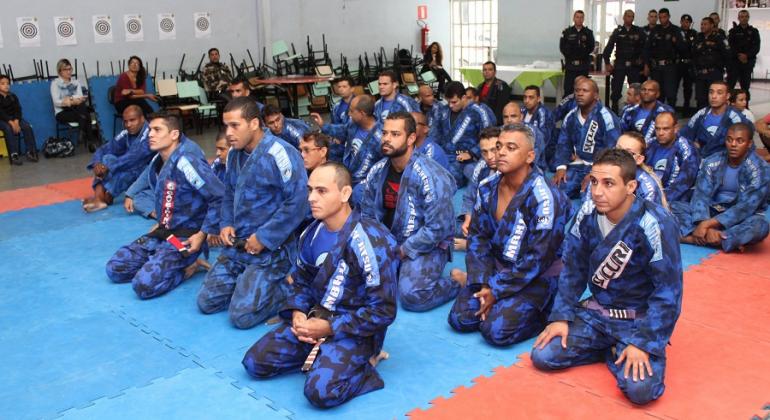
(590, 142)
(336, 286)
(585, 209)
(514, 242)
(278, 152)
(190, 173)
(613, 265)
(649, 223)
(367, 259)
(545, 207)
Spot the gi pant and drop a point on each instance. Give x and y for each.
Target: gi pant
(420, 283)
(752, 230)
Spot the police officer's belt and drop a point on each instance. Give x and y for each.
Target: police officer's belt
(593, 305)
(706, 71)
(662, 62)
(161, 233)
(578, 62)
(685, 60)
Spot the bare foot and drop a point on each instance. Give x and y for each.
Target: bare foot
(687, 240)
(289, 279)
(198, 265)
(374, 360)
(459, 276)
(94, 206)
(461, 244)
(152, 214)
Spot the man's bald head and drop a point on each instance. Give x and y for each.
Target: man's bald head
(512, 113)
(421, 126)
(426, 95)
(133, 110)
(133, 119)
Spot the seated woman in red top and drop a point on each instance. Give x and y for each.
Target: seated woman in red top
(131, 88)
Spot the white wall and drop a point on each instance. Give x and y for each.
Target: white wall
(530, 30)
(233, 30)
(355, 26)
(695, 8)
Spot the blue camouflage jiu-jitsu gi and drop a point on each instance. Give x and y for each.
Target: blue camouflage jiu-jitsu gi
(635, 277)
(356, 284)
(517, 257)
(187, 198)
(126, 157)
(713, 141)
(600, 131)
(437, 119)
(542, 118)
(266, 196)
(463, 136)
(677, 167)
(631, 120)
(743, 218)
(480, 172)
(339, 114)
(219, 168)
(362, 149)
(402, 103)
(293, 130)
(561, 110)
(433, 150)
(648, 188)
(423, 226)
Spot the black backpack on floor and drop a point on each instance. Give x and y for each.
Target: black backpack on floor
(58, 147)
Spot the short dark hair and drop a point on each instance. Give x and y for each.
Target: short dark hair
(721, 83)
(652, 11)
(318, 138)
(620, 158)
(365, 104)
(533, 87)
(171, 121)
(269, 110)
(454, 89)
(246, 105)
(669, 113)
(489, 133)
(686, 17)
(5, 76)
(664, 10)
(240, 79)
(712, 14)
(343, 79)
(221, 134)
(213, 49)
(708, 19)
(389, 74)
(741, 126)
(491, 63)
(341, 173)
(472, 90)
(578, 11)
(410, 125)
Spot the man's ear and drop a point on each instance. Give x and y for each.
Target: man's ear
(254, 124)
(631, 186)
(530, 156)
(347, 192)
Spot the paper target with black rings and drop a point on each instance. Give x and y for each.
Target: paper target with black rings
(28, 30)
(202, 23)
(166, 24)
(102, 27)
(65, 29)
(134, 26)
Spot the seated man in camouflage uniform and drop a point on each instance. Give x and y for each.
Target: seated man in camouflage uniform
(216, 75)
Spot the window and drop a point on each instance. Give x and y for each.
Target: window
(603, 16)
(473, 34)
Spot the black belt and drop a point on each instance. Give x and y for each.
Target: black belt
(162, 233)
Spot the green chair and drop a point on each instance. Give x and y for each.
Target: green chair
(206, 111)
(374, 87)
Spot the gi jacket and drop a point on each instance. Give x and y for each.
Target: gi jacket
(677, 168)
(629, 117)
(424, 218)
(463, 135)
(132, 152)
(600, 131)
(401, 103)
(542, 118)
(637, 266)
(187, 192)
(509, 254)
(265, 192)
(356, 282)
(711, 143)
(293, 130)
(359, 153)
(753, 180)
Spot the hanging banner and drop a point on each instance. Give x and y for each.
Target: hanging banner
(65, 30)
(166, 26)
(102, 25)
(202, 24)
(29, 31)
(134, 28)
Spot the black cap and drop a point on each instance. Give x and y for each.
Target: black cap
(686, 17)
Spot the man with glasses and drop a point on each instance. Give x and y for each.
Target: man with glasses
(314, 148)
(727, 208)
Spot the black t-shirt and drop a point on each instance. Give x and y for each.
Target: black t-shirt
(453, 117)
(390, 195)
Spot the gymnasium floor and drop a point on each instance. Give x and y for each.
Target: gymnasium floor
(74, 345)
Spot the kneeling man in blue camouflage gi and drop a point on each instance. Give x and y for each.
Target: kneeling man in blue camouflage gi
(516, 231)
(187, 198)
(629, 250)
(411, 194)
(343, 299)
(727, 209)
(265, 200)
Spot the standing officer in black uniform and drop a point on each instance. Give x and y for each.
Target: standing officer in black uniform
(744, 46)
(660, 55)
(652, 22)
(710, 55)
(684, 66)
(576, 45)
(715, 17)
(629, 40)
